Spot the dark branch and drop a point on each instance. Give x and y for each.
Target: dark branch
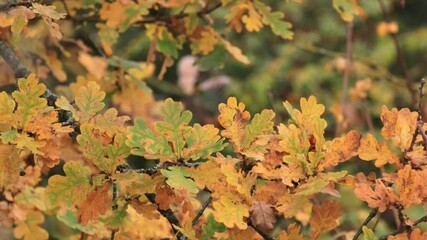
(400, 56)
(200, 213)
(371, 215)
(7, 6)
(263, 235)
(168, 214)
(12, 60)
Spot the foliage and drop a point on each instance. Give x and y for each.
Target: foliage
(78, 163)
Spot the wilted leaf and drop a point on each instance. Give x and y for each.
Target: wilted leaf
(263, 216)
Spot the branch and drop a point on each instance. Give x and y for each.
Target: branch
(167, 18)
(7, 6)
(400, 56)
(263, 235)
(168, 214)
(371, 215)
(200, 213)
(12, 60)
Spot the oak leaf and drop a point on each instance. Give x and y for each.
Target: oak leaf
(341, 150)
(263, 216)
(29, 228)
(179, 179)
(399, 126)
(230, 212)
(411, 186)
(325, 218)
(292, 233)
(89, 101)
(72, 188)
(370, 149)
(95, 204)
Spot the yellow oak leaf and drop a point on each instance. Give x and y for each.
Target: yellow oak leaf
(236, 52)
(9, 165)
(325, 218)
(399, 126)
(231, 211)
(370, 149)
(341, 150)
(29, 228)
(7, 106)
(233, 118)
(252, 20)
(89, 101)
(207, 41)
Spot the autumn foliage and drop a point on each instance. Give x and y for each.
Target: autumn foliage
(66, 160)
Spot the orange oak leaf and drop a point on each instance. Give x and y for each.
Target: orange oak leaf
(370, 149)
(415, 234)
(383, 196)
(324, 218)
(263, 216)
(342, 149)
(96, 204)
(411, 186)
(399, 126)
(293, 233)
(230, 212)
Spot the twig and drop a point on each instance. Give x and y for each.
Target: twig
(348, 64)
(400, 56)
(423, 219)
(168, 214)
(12, 60)
(263, 235)
(167, 18)
(371, 215)
(200, 213)
(7, 6)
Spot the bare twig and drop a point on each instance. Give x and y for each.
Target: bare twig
(9, 5)
(200, 213)
(400, 56)
(348, 65)
(423, 219)
(371, 215)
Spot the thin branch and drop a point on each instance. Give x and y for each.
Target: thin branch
(167, 18)
(9, 5)
(263, 235)
(200, 213)
(400, 56)
(348, 65)
(371, 215)
(168, 214)
(423, 219)
(12, 60)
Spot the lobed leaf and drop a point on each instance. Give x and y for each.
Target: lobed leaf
(71, 189)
